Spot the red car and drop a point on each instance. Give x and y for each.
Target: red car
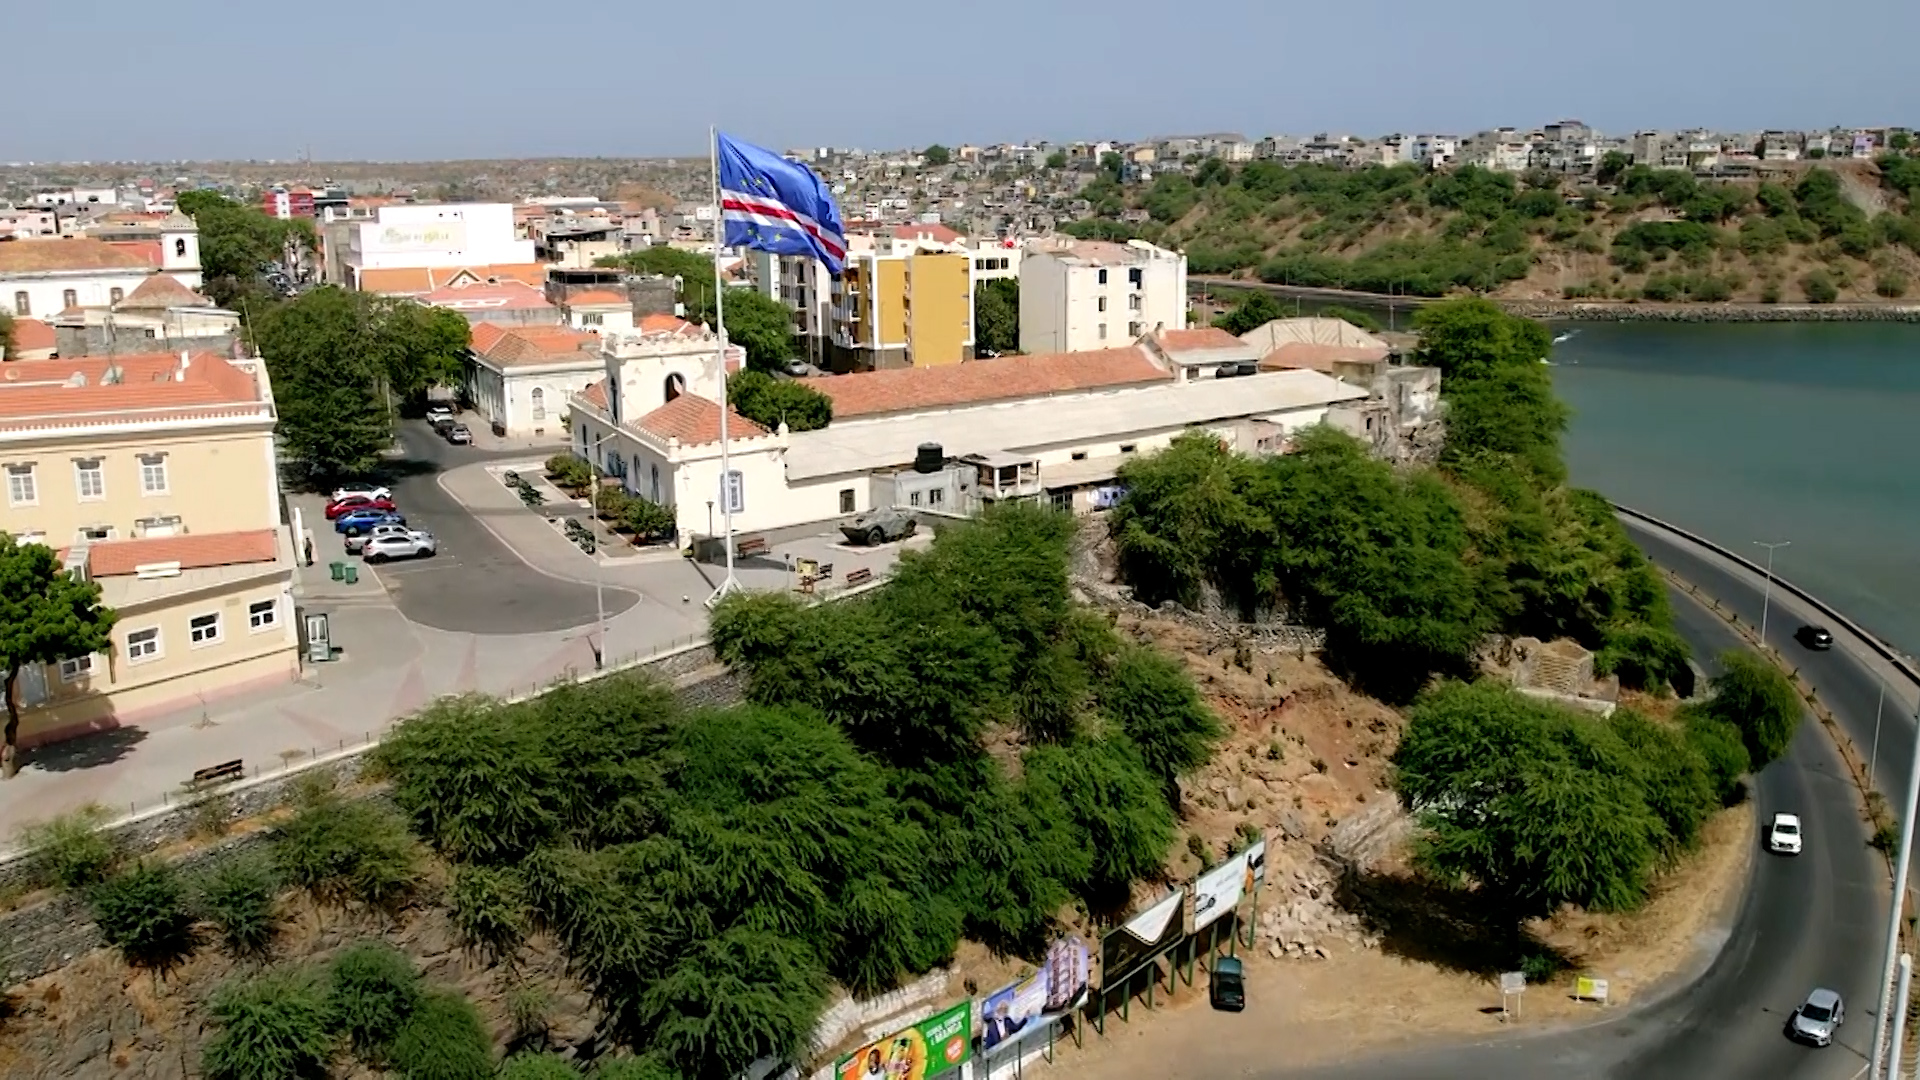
(356, 502)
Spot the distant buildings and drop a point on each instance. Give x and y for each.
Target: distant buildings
(1077, 295)
(409, 239)
(43, 277)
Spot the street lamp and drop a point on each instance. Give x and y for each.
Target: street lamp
(1766, 596)
(599, 591)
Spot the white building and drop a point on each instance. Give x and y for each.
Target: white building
(45, 277)
(1089, 294)
(520, 377)
(96, 196)
(445, 235)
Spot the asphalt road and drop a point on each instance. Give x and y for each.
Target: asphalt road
(475, 584)
(1803, 922)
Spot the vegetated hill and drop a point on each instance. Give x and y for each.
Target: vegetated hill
(1815, 232)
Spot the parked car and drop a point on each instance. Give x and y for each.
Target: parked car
(365, 491)
(1227, 986)
(1783, 836)
(1818, 1018)
(349, 504)
(437, 413)
(460, 435)
(799, 369)
(1817, 638)
(359, 521)
(444, 425)
(410, 544)
(356, 544)
(879, 527)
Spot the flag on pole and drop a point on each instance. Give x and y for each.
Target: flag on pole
(771, 204)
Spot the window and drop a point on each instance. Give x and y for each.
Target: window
(675, 386)
(204, 629)
(846, 500)
(114, 296)
(143, 645)
(22, 304)
(539, 397)
(1103, 275)
(1101, 304)
(936, 496)
(1133, 329)
(153, 474)
(69, 298)
(592, 320)
(1134, 276)
(21, 489)
(1102, 335)
(180, 249)
(913, 498)
(263, 615)
(1133, 302)
(77, 668)
(1061, 501)
(89, 480)
(1079, 455)
(95, 533)
(1126, 448)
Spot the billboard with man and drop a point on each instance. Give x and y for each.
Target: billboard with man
(1058, 988)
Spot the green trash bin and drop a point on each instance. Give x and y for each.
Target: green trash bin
(339, 570)
(353, 575)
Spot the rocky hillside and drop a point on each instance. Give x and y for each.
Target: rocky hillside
(1818, 232)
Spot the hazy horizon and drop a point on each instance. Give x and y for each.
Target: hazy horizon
(424, 81)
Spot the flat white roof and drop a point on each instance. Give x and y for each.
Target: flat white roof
(1028, 426)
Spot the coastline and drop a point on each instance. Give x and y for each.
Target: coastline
(1593, 310)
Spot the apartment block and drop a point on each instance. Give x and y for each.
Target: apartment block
(905, 299)
(154, 475)
(1077, 295)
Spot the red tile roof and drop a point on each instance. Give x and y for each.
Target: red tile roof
(938, 233)
(596, 395)
(874, 393)
(42, 256)
(159, 292)
(32, 335)
(534, 344)
(667, 324)
(150, 386)
(1208, 337)
(508, 295)
(415, 280)
(114, 558)
(693, 420)
(148, 251)
(598, 298)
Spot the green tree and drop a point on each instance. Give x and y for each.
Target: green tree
(1255, 309)
(1154, 701)
(1057, 160)
(1612, 164)
(769, 402)
(8, 347)
(142, 911)
(272, 1026)
(442, 1039)
(937, 155)
(695, 273)
(1473, 338)
(374, 991)
(1112, 165)
(46, 616)
(331, 374)
(237, 242)
(428, 346)
(996, 317)
(1759, 702)
(761, 325)
(238, 898)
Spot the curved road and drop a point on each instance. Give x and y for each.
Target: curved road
(1814, 920)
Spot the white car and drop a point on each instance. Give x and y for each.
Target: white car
(370, 491)
(357, 544)
(413, 545)
(436, 413)
(1783, 836)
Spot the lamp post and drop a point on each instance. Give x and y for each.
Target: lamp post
(599, 592)
(1766, 595)
(1897, 910)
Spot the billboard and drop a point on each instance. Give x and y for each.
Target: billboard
(439, 236)
(1220, 889)
(1058, 988)
(1145, 936)
(931, 1047)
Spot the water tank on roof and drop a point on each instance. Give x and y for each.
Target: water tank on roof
(930, 458)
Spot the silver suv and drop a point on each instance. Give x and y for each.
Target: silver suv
(1818, 1018)
(413, 545)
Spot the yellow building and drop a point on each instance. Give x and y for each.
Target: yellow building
(154, 475)
(904, 300)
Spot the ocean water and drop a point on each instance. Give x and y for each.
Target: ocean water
(1807, 432)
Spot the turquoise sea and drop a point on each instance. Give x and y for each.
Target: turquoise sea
(1808, 433)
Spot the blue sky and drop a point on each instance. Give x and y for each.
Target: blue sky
(419, 79)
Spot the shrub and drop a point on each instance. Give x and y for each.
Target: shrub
(1719, 746)
(645, 1067)
(538, 1067)
(569, 470)
(488, 908)
(1891, 284)
(339, 851)
(212, 815)
(527, 1006)
(71, 850)
(272, 1027)
(1819, 287)
(238, 898)
(1759, 702)
(648, 519)
(375, 991)
(142, 912)
(441, 1040)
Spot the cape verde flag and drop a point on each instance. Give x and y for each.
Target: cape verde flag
(771, 204)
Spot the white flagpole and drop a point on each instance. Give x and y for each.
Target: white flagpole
(720, 330)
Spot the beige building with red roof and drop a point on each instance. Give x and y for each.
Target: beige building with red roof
(41, 278)
(154, 475)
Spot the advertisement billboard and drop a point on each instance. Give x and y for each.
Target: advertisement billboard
(439, 236)
(940, 1042)
(1145, 936)
(1220, 889)
(1058, 988)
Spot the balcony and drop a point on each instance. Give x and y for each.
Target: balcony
(1005, 476)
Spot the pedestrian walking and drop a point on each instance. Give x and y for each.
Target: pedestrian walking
(309, 550)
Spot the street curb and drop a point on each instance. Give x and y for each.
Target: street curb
(441, 480)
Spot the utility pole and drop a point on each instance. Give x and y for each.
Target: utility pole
(599, 576)
(1766, 597)
(1900, 1016)
(1878, 709)
(1898, 908)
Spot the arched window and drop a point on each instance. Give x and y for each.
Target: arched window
(180, 249)
(539, 397)
(676, 385)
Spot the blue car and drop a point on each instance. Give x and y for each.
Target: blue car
(359, 521)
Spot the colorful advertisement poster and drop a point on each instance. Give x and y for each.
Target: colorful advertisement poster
(1145, 936)
(1219, 890)
(931, 1047)
(1058, 988)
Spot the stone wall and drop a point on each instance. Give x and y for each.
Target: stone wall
(1571, 311)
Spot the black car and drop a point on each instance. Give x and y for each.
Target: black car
(1814, 637)
(1227, 987)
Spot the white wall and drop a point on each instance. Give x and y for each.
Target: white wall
(454, 234)
(1060, 302)
(46, 296)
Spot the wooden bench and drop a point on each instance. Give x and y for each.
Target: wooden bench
(226, 770)
(820, 573)
(754, 545)
(859, 577)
